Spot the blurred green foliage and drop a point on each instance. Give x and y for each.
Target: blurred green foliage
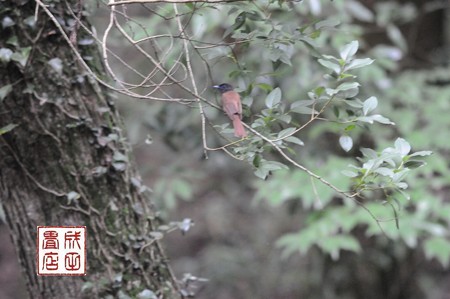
(272, 32)
(339, 67)
(288, 36)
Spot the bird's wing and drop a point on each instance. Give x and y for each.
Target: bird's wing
(232, 104)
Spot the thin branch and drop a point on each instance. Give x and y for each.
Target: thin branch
(314, 116)
(91, 73)
(194, 84)
(312, 174)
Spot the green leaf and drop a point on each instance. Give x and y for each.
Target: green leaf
(372, 164)
(402, 146)
(273, 98)
(146, 294)
(185, 225)
(349, 128)
(319, 90)
(358, 63)
(5, 55)
(87, 286)
(56, 64)
(7, 22)
(382, 120)
(334, 244)
(438, 248)
(21, 57)
(359, 11)
(71, 196)
(355, 103)
(285, 132)
(302, 103)
(346, 142)
(261, 173)
(119, 166)
(330, 23)
(7, 128)
(273, 165)
(400, 175)
(411, 164)
(295, 140)
(315, 34)
(421, 153)
(235, 73)
(396, 36)
(239, 21)
(292, 243)
(336, 111)
(4, 91)
(349, 50)
(384, 171)
(349, 93)
(369, 105)
(347, 86)
(404, 194)
(119, 157)
(311, 44)
(285, 118)
(265, 87)
(330, 65)
(369, 153)
(376, 117)
(349, 173)
(331, 58)
(182, 189)
(303, 110)
(268, 166)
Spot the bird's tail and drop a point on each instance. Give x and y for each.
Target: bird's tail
(239, 130)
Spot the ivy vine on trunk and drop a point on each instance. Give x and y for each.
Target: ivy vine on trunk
(64, 161)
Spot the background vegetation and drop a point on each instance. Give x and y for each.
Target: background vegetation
(289, 236)
(264, 230)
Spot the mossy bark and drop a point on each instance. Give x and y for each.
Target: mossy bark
(66, 162)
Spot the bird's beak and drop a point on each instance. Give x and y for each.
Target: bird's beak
(215, 86)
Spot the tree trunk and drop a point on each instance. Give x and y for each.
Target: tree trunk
(64, 161)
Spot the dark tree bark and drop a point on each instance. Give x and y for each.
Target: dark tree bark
(65, 161)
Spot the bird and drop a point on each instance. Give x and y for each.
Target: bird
(231, 103)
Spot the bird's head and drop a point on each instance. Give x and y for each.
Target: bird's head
(224, 87)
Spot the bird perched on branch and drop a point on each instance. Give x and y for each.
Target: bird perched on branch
(231, 102)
